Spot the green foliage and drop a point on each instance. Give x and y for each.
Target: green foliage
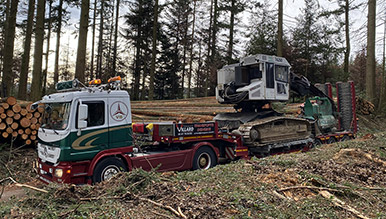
(315, 44)
(263, 31)
(167, 80)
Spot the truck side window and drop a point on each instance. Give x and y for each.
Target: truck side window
(96, 113)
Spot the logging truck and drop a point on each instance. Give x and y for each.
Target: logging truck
(87, 134)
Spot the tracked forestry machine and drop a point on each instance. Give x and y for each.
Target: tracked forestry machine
(256, 81)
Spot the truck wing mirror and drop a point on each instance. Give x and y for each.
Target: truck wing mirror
(82, 116)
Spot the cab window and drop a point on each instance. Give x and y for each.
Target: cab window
(281, 73)
(96, 113)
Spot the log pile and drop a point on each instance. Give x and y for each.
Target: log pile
(18, 121)
(364, 107)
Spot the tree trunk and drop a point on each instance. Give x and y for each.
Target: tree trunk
(82, 41)
(209, 61)
(370, 62)
(231, 30)
(137, 68)
(116, 38)
(48, 47)
(58, 33)
(109, 68)
(199, 71)
(280, 30)
(36, 87)
(93, 40)
(22, 93)
(382, 103)
(191, 49)
(8, 48)
(184, 58)
(100, 42)
(154, 51)
(347, 27)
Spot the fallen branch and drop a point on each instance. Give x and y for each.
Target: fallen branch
(308, 187)
(341, 204)
(24, 185)
(162, 215)
(164, 206)
(180, 211)
(279, 195)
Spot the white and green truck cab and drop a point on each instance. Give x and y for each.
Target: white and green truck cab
(81, 125)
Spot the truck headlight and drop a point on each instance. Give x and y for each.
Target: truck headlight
(58, 173)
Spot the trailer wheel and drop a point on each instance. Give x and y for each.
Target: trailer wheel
(317, 142)
(331, 140)
(107, 168)
(204, 158)
(345, 138)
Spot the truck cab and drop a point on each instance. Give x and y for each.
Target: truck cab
(78, 124)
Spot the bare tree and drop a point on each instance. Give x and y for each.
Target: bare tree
(9, 47)
(45, 72)
(82, 41)
(58, 34)
(36, 86)
(116, 38)
(154, 51)
(100, 42)
(191, 49)
(370, 62)
(93, 40)
(22, 93)
(280, 30)
(347, 31)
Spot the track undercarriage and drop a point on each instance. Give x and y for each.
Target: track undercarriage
(268, 131)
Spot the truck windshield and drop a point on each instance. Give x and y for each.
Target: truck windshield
(56, 116)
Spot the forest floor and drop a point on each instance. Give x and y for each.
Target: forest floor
(341, 180)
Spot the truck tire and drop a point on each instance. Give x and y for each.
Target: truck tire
(317, 142)
(204, 158)
(331, 140)
(107, 168)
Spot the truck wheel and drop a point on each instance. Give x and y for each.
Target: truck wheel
(331, 140)
(204, 158)
(107, 168)
(317, 142)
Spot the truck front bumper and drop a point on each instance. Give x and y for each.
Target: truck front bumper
(64, 172)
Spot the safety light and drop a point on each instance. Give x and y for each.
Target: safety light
(116, 78)
(95, 82)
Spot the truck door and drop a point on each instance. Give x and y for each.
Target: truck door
(94, 137)
(269, 81)
(120, 130)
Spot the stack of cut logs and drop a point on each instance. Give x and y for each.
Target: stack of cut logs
(364, 107)
(18, 121)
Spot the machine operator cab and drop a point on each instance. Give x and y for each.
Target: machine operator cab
(255, 78)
